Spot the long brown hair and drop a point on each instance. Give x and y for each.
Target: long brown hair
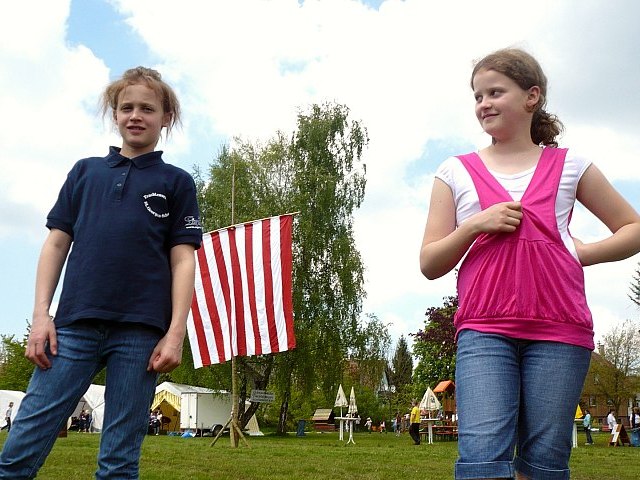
(525, 70)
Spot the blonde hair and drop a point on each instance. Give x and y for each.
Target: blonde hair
(152, 79)
(525, 70)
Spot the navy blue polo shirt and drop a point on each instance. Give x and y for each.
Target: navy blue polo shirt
(124, 216)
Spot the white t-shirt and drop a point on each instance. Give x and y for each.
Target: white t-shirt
(455, 175)
(611, 421)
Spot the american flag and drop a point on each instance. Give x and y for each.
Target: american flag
(242, 304)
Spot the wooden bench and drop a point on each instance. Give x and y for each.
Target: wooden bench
(445, 432)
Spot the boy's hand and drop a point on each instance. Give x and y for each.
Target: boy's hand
(43, 333)
(167, 355)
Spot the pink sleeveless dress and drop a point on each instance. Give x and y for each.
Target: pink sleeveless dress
(524, 284)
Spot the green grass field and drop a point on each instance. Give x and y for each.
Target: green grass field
(315, 456)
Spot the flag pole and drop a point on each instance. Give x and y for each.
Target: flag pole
(235, 432)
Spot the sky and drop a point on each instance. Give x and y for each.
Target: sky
(245, 68)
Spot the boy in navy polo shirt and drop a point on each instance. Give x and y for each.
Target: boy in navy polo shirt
(134, 224)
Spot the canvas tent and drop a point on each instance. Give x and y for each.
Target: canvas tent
(196, 408)
(92, 400)
(7, 396)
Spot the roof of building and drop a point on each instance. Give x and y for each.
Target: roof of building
(323, 414)
(445, 386)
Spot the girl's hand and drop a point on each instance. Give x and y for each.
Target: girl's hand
(502, 217)
(580, 251)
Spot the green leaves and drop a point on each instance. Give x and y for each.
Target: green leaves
(318, 172)
(434, 346)
(15, 369)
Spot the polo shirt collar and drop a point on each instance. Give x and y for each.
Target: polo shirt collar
(141, 161)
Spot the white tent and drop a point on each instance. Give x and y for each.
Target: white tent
(429, 401)
(92, 400)
(187, 407)
(7, 396)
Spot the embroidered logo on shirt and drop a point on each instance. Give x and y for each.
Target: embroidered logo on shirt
(192, 222)
(152, 204)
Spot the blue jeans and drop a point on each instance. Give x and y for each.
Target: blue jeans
(84, 348)
(516, 402)
(587, 431)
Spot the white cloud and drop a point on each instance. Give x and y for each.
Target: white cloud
(49, 93)
(244, 67)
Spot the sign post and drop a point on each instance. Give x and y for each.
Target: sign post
(619, 436)
(262, 396)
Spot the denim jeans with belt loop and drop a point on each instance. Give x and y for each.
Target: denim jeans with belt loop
(84, 348)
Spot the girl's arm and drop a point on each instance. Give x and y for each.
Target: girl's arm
(168, 353)
(598, 195)
(444, 245)
(52, 257)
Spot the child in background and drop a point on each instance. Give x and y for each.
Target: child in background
(134, 223)
(524, 331)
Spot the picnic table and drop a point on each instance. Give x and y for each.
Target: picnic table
(444, 430)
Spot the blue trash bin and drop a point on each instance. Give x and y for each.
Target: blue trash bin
(301, 425)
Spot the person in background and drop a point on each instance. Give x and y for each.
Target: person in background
(7, 416)
(414, 423)
(397, 424)
(82, 421)
(586, 423)
(634, 418)
(611, 420)
(157, 421)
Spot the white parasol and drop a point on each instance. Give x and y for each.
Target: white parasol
(429, 401)
(341, 399)
(353, 408)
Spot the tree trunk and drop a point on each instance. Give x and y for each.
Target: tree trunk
(260, 382)
(284, 409)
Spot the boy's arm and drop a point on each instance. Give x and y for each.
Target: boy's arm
(168, 353)
(52, 257)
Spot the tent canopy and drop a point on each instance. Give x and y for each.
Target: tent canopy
(92, 400)
(169, 397)
(171, 393)
(7, 396)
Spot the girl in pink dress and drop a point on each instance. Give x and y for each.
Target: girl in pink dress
(523, 327)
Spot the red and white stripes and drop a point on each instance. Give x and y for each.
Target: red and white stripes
(242, 304)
